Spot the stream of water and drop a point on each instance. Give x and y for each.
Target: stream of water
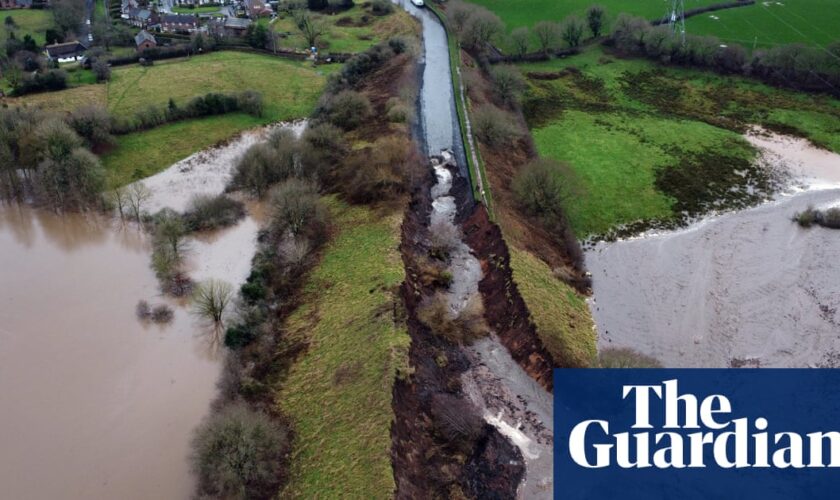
(93, 402)
(743, 288)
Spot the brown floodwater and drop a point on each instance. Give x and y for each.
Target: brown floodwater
(93, 403)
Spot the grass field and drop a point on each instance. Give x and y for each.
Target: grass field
(517, 13)
(338, 394)
(289, 88)
(34, 22)
(561, 316)
(350, 31)
(622, 124)
(814, 22)
(196, 10)
(142, 154)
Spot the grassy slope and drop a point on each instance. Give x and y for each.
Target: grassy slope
(343, 39)
(289, 89)
(617, 151)
(30, 21)
(142, 154)
(562, 317)
(343, 425)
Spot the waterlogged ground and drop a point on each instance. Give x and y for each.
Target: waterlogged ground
(93, 402)
(747, 288)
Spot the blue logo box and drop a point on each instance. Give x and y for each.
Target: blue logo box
(696, 434)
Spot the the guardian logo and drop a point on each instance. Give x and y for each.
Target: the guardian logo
(713, 429)
(696, 434)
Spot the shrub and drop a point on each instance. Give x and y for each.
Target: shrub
(381, 7)
(495, 127)
(238, 453)
(169, 232)
(378, 173)
(296, 210)
(542, 186)
(101, 70)
(93, 124)
(210, 212)
(347, 109)
(264, 165)
(461, 328)
(572, 31)
(48, 81)
(595, 15)
(625, 357)
(143, 310)
(508, 83)
(828, 218)
(162, 313)
(239, 336)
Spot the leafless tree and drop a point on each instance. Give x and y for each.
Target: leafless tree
(211, 299)
(548, 35)
(138, 195)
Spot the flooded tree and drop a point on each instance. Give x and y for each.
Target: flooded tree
(169, 231)
(211, 299)
(137, 195)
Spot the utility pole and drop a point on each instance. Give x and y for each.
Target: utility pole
(676, 18)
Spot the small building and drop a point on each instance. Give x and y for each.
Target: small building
(144, 40)
(65, 52)
(257, 9)
(172, 23)
(234, 27)
(142, 18)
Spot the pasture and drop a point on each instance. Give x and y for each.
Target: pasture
(767, 23)
(647, 142)
(33, 22)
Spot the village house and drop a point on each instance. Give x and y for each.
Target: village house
(126, 6)
(234, 27)
(65, 52)
(144, 40)
(15, 4)
(257, 9)
(142, 18)
(172, 23)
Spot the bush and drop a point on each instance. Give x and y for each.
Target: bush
(238, 453)
(624, 357)
(381, 7)
(540, 186)
(829, 218)
(264, 165)
(48, 81)
(378, 173)
(93, 124)
(347, 109)
(101, 70)
(162, 313)
(494, 127)
(210, 212)
(295, 209)
(239, 336)
(508, 83)
(462, 328)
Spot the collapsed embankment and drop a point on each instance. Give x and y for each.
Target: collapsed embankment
(431, 458)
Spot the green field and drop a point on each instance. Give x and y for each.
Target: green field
(347, 31)
(517, 13)
(338, 393)
(196, 10)
(34, 22)
(142, 154)
(630, 128)
(289, 88)
(814, 22)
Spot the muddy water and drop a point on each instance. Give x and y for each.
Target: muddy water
(94, 403)
(746, 287)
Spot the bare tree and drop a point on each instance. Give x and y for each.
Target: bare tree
(481, 29)
(211, 298)
(119, 196)
(308, 26)
(572, 31)
(595, 15)
(170, 231)
(138, 195)
(548, 35)
(520, 39)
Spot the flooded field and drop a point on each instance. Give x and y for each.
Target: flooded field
(93, 402)
(748, 288)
